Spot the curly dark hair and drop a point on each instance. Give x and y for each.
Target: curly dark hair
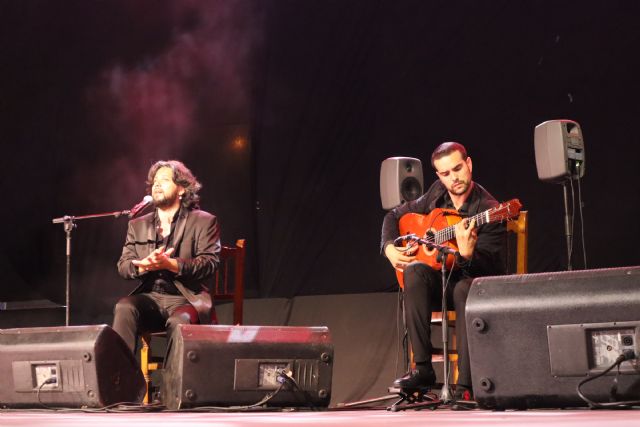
(447, 148)
(183, 177)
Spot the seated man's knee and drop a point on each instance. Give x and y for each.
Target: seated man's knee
(125, 306)
(411, 268)
(178, 319)
(182, 316)
(417, 274)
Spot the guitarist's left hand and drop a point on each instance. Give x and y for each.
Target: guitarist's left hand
(466, 237)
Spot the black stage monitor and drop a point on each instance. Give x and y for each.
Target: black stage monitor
(534, 337)
(210, 365)
(73, 366)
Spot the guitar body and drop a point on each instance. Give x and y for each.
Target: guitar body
(422, 225)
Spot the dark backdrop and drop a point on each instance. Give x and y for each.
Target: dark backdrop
(285, 109)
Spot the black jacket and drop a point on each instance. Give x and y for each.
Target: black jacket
(197, 249)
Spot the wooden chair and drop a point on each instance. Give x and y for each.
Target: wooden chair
(227, 285)
(229, 280)
(521, 230)
(518, 226)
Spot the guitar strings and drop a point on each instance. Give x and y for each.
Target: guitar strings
(448, 233)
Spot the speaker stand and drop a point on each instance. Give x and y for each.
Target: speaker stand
(568, 226)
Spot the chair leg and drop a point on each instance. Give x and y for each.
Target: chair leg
(144, 366)
(454, 367)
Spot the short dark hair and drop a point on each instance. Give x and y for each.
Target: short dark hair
(183, 177)
(447, 148)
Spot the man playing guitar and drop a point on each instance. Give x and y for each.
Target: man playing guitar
(481, 249)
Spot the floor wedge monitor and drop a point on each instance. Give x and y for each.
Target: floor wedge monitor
(71, 367)
(533, 338)
(211, 365)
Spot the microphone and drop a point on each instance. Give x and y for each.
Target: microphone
(146, 201)
(413, 238)
(446, 249)
(406, 238)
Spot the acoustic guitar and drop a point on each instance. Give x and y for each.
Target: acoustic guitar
(438, 226)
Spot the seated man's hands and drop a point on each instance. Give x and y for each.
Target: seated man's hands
(466, 237)
(400, 257)
(159, 259)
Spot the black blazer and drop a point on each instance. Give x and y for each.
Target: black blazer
(197, 248)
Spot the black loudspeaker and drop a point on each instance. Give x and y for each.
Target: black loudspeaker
(401, 180)
(210, 365)
(73, 366)
(559, 149)
(533, 338)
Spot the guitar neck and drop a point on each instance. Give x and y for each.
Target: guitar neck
(449, 233)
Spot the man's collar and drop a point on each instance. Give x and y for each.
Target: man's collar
(466, 206)
(180, 213)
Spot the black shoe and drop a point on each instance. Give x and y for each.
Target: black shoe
(416, 379)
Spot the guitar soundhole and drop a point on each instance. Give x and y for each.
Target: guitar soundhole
(429, 236)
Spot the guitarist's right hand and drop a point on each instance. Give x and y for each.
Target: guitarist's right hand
(400, 257)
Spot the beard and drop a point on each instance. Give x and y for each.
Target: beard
(164, 200)
(460, 190)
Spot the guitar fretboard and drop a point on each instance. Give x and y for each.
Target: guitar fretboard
(449, 233)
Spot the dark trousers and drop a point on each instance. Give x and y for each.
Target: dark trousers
(151, 312)
(422, 295)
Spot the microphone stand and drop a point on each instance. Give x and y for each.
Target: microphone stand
(568, 226)
(443, 252)
(445, 393)
(417, 401)
(69, 224)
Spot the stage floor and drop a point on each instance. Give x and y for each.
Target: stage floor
(368, 418)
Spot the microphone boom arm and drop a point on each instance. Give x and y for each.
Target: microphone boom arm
(69, 222)
(413, 238)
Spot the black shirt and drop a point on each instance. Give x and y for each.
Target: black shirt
(162, 280)
(447, 203)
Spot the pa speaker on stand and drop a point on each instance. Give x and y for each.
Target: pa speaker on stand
(559, 149)
(401, 180)
(560, 158)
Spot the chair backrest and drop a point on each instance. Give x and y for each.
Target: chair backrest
(520, 226)
(228, 283)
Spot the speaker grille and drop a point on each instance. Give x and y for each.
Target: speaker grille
(410, 189)
(72, 375)
(306, 374)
